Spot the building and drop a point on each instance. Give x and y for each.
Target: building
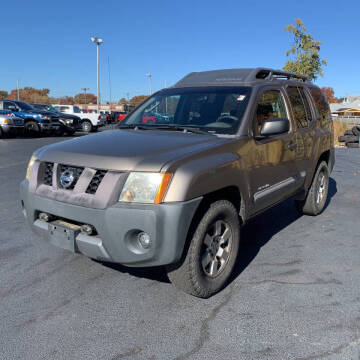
(350, 107)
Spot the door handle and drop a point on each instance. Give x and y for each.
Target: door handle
(291, 146)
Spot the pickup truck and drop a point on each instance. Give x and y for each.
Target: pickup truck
(10, 124)
(90, 122)
(229, 144)
(35, 121)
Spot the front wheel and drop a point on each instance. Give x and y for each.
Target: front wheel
(316, 198)
(32, 128)
(86, 126)
(212, 252)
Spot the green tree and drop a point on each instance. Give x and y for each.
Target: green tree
(3, 94)
(305, 52)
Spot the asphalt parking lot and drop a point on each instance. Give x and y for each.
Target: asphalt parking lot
(295, 293)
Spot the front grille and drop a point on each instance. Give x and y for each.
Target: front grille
(95, 181)
(68, 176)
(48, 173)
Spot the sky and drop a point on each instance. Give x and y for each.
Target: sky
(46, 44)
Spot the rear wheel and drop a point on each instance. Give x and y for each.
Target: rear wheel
(317, 195)
(86, 126)
(32, 128)
(212, 252)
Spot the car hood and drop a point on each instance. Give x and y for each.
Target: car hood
(127, 150)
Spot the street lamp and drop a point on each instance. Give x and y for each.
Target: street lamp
(150, 87)
(97, 41)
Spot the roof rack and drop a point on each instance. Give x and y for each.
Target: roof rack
(278, 74)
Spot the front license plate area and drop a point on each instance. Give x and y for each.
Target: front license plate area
(63, 234)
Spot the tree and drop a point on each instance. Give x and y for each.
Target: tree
(90, 98)
(3, 94)
(136, 100)
(305, 51)
(66, 100)
(329, 94)
(31, 95)
(122, 101)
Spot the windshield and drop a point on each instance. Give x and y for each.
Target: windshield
(216, 110)
(24, 106)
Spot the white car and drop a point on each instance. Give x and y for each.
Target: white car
(89, 121)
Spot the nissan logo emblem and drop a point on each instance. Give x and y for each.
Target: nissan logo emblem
(67, 178)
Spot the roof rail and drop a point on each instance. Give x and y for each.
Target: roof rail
(278, 74)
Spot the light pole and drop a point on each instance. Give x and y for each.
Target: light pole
(150, 87)
(85, 89)
(97, 41)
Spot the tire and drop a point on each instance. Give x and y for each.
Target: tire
(353, 145)
(349, 132)
(201, 273)
(70, 132)
(316, 197)
(350, 138)
(356, 130)
(32, 128)
(86, 126)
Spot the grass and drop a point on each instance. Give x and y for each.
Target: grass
(339, 129)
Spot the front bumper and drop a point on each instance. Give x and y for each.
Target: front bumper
(12, 129)
(117, 227)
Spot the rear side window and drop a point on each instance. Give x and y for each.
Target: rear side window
(306, 104)
(298, 107)
(321, 105)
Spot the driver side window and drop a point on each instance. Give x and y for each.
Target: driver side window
(270, 105)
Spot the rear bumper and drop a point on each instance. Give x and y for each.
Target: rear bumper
(117, 227)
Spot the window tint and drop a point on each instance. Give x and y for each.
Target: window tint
(63, 108)
(306, 103)
(270, 105)
(7, 105)
(297, 107)
(321, 105)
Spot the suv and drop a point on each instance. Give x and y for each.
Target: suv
(229, 144)
(35, 121)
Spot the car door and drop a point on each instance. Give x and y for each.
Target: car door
(304, 129)
(271, 160)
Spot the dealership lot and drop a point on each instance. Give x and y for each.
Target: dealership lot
(295, 293)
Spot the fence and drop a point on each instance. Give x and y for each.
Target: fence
(349, 120)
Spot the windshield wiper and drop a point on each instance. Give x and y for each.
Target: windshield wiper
(184, 129)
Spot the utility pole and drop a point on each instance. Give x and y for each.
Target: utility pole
(85, 90)
(150, 84)
(109, 83)
(98, 42)
(18, 91)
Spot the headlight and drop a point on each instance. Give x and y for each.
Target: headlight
(30, 165)
(142, 187)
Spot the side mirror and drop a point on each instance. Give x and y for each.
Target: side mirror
(275, 126)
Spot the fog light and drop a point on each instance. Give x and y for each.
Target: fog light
(144, 240)
(87, 229)
(44, 217)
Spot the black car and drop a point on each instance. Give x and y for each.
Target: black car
(69, 123)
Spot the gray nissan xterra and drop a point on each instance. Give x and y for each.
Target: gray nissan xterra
(185, 170)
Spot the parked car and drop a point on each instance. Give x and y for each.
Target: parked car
(10, 124)
(240, 141)
(69, 123)
(89, 121)
(35, 121)
(118, 116)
